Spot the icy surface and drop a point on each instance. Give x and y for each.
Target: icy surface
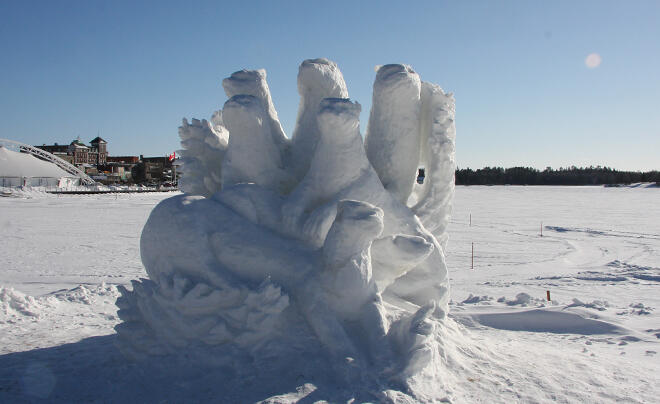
(599, 266)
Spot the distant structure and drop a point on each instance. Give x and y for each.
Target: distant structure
(118, 170)
(155, 170)
(22, 164)
(94, 160)
(98, 151)
(78, 153)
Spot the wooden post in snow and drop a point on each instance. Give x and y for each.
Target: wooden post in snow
(472, 265)
(547, 292)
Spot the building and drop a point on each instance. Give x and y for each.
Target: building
(78, 153)
(93, 159)
(98, 153)
(154, 170)
(123, 159)
(59, 150)
(117, 169)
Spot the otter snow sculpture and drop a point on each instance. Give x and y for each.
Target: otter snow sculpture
(280, 242)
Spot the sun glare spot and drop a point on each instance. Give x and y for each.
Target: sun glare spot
(593, 60)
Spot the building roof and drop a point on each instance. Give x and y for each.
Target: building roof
(15, 164)
(78, 143)
(97, 140)
(55, 148)
(126, 159)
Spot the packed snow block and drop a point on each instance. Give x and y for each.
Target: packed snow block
(317, 79)
(190, 299)
(438, 144)
(311, 250)
(398, 253)
(348, 273)
(199, 293)
(425, 282)
(411, 336)
(257, 204)
(204, 146)
(253, 82)
(338, 170)
(252, 155)
(392, 139)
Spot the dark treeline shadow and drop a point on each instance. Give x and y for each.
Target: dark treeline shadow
(562, 176)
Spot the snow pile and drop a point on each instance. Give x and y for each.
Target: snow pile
(16, 304)
(522, 299)
(313, 247)
(638, 309)
(472, 299)
(87, 294)
(600, 305)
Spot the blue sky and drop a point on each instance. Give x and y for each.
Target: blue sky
(133, 69)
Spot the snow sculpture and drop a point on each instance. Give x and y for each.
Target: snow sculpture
(317, 79)
(392, 140)
(311, 245)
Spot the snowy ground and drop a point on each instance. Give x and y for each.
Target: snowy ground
(596, 341)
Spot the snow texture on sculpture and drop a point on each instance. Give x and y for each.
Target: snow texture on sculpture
(204, 147)
(393, 137)
(312, 245)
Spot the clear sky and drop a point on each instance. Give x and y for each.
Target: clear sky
(527, 91)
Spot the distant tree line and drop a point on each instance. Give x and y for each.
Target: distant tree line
(562, 176)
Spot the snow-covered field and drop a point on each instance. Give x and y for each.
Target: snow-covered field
(596, 341)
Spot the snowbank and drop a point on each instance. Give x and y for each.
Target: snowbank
(15, 303)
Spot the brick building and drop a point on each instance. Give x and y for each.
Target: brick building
(118, 169)
(155, 170)
(78, 153)
(93, 159)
